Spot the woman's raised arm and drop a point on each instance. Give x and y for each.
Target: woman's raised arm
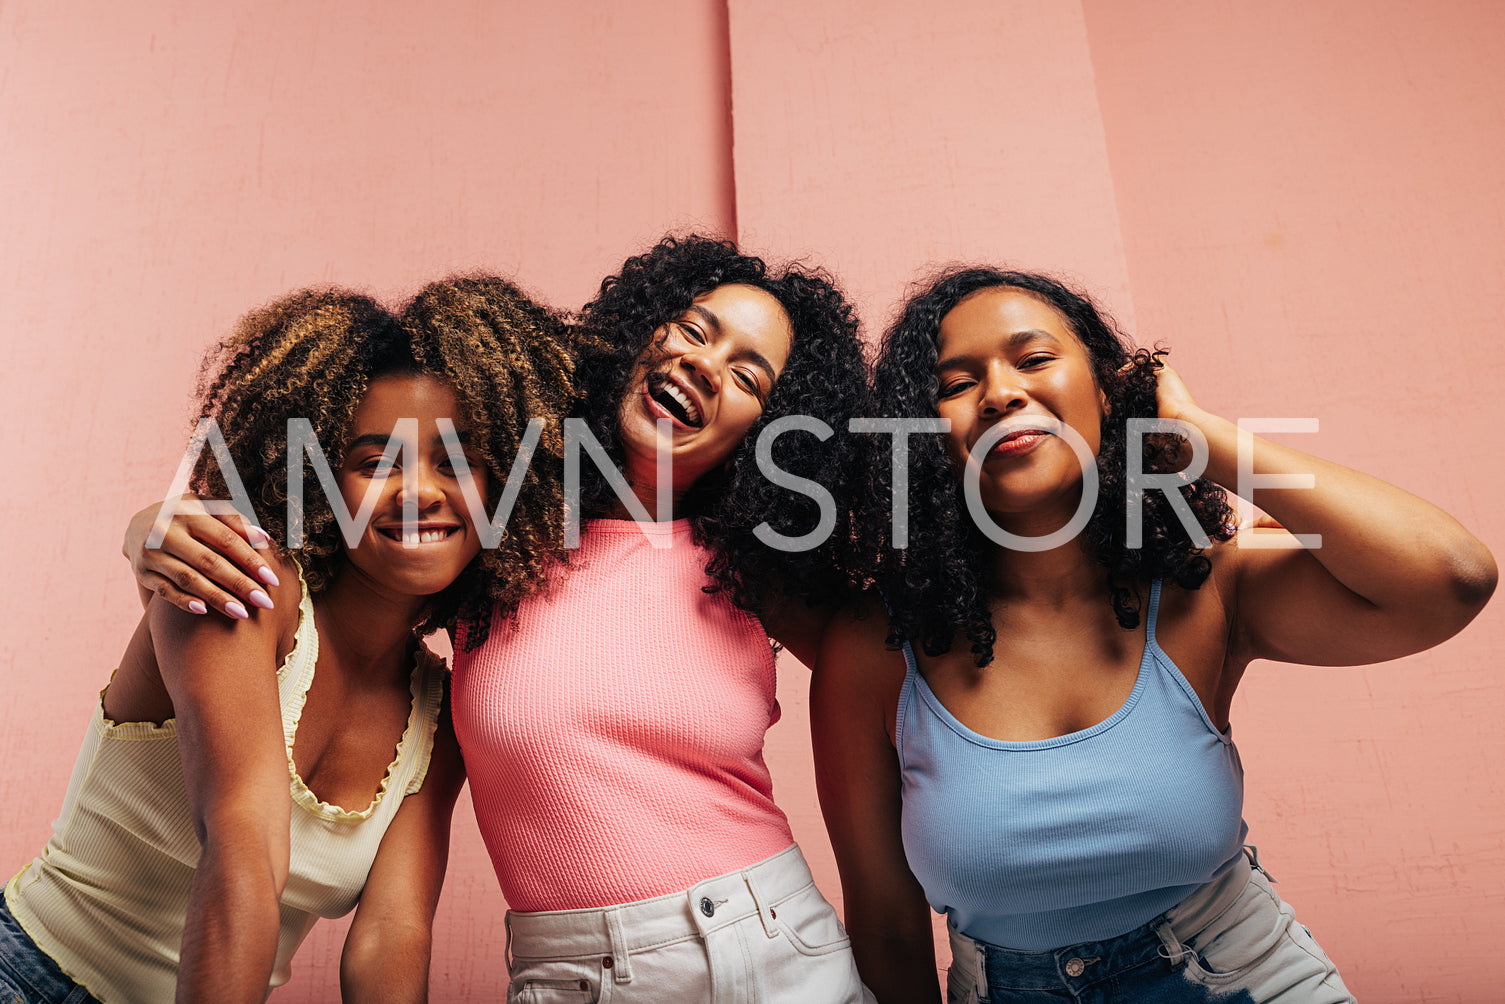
(1392, 575)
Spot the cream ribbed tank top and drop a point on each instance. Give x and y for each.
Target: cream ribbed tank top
(108, 897)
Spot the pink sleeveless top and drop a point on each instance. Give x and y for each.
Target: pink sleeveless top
(614, 733)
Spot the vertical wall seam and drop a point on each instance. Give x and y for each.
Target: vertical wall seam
(729, 185)
(1126, 314)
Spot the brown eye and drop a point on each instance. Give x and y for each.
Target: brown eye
(376, 465)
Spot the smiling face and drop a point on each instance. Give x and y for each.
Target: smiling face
(445, 540)
(709, 372)
(1008, 357)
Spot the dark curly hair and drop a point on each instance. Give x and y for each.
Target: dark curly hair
(314, 353)
(824, 378)
(937, 590)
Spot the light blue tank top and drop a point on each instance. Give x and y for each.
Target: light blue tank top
(1082, 837)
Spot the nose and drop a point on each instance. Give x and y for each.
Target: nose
(705, 366)
(419, 486)
(1002, 391)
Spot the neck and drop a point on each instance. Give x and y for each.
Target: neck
(1053, 577)
(367, 623)
(647, 494)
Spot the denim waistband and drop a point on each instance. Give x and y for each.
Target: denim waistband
(24, 961)
(619, 931)
(1079, 966)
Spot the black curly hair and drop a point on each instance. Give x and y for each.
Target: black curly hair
(937, 590)
(824, 377)
(313, 354)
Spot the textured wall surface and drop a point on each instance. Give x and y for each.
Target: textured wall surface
(165, 166)
(1303, 199)
(1311, 207)
(880, 138)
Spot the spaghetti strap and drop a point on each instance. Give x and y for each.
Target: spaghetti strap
(906, 697)
(1149, 635)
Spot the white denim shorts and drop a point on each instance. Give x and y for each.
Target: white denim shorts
(1233, 941)
(759, 935)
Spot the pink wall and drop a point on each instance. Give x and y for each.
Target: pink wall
(166, 166)
(1312, 211)
(882, 135)
(879, 138)
(1277, 191)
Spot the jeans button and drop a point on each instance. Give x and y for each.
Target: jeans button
(1075, 967)
(707, 907)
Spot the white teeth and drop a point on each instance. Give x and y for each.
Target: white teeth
(424, 537)
(684, 401)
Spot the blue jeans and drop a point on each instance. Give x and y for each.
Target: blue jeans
(1232, 941)
(27, 974)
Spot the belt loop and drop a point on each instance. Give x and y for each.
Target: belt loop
(1171, 948)
(765, 910)
(507, 952)
(972, 957)
(621, 968)
(980, 963)
(1252, 853)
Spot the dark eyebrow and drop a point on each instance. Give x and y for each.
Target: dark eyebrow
(710, 318)
(752, 355)
(369, 439)
(380, 439)
(1014, 341)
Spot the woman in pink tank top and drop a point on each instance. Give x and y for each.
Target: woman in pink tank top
(613, 729)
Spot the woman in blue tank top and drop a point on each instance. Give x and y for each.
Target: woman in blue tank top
(1047, 758)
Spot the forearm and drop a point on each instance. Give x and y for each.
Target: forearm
(895, 958)
(230, 935)
(386, 966)
(1380, 542)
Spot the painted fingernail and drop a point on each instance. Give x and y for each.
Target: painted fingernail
(260, 599)
(268, 576)
(235, 610)
(257, 531)
(197, 607)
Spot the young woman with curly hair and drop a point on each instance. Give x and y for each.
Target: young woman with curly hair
(240, 779)
(614, 728)
(1033, 736)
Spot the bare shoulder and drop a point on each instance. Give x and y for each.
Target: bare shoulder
(174, 630)
(855, 653)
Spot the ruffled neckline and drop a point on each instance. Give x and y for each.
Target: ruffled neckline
(306, 650)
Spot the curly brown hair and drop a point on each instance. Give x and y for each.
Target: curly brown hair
(314, 353)
(938, 592)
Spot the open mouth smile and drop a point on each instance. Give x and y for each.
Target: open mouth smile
(674, 400)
